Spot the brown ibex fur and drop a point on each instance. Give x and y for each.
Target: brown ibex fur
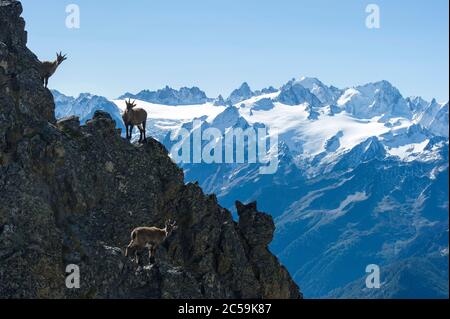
(150, 237)
(49, 68)
(135, 116)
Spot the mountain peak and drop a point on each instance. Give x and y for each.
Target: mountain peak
(230, 117)
(367, 150)
(245, 86)
(375, 99)
(85, 95)
(293, 93)
(327, 95)
(378, 85)
(219, 101)
(309, 81)
(242, 93)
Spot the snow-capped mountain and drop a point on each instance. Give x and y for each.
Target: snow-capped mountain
(435, 118)
(362, 178)
(219, 101)
(382, 212)
(230, 117)
(328, 95)
(416, 104)
(374, 99)
(294, 93)
(84, 106)
(242, 93)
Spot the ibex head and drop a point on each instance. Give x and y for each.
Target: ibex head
(60, 57)
(170, 227)
(130, 104)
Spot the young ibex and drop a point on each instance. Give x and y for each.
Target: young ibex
(133, 116)
(150, 237)
(49, 68)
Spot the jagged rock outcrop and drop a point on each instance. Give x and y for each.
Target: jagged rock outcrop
(293, 93)
(257, 229)
(71, 194)
(243, 93)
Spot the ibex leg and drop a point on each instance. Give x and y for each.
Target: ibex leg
(144, 125)
(131, 131)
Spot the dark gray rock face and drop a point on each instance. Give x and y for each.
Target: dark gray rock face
(257, 229)
(71, 194)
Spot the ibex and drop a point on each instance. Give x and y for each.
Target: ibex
(49, 68)
(135, 116)
(150, 237)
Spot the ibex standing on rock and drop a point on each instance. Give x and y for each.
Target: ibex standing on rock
(150, 237)
(135, 116)
(49, 68)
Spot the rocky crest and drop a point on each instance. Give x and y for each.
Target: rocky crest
(71, 194)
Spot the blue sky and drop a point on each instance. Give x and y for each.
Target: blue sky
(216, 45)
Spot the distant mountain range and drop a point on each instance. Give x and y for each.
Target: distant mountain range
(84, 106)
(362, 177)
(169, 96)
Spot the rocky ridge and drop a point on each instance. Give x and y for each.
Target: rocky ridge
(71, 194)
